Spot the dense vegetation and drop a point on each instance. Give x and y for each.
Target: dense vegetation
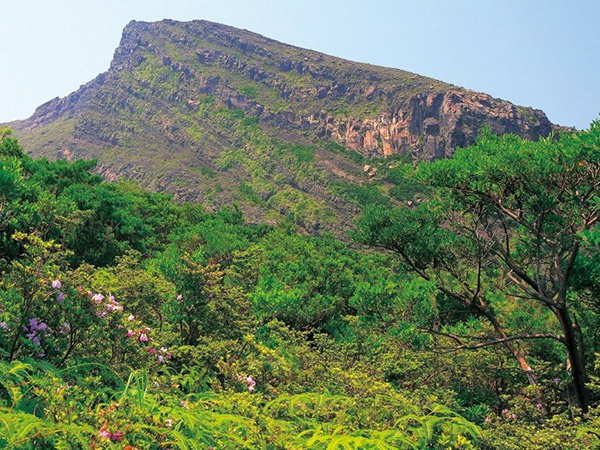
(128, 320)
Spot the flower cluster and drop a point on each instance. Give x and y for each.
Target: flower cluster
(35, 331)
(115, 436)
(105, 304)
(140, 334)
(162, 355)
(508, 414)
(57, 286)
(249, 381)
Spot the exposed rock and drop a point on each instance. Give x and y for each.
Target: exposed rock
(433, 125)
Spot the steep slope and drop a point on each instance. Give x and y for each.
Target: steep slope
(220, 115)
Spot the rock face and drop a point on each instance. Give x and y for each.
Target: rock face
(220, 115)
(434, 125)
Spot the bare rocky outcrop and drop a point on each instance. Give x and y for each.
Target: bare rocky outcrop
(433, 125)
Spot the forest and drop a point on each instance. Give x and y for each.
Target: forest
(465, 318)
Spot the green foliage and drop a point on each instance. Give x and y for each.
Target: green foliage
(249, 90)
(507, 213)
(368, 194)
(128, 320)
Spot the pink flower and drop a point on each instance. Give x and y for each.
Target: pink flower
(117, 436)
(161, 359)
(152, 351)
(56, 284)
(118, 307)
(131, 317)
(60, 296)
(3, 325)
(104, 433)
(505, 411)
(98, 298)
(488, 420)
(143, 338)
(249, 381)
(539, 406)
(129, 333)
(179, 297)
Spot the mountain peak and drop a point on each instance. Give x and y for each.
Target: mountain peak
(207, 111)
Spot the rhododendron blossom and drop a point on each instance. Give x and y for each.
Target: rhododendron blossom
(56, 284)
(249, 381)
(104, 434)
(33, 324)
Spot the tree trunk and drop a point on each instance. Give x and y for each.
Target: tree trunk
(576, 357)
(526, 368)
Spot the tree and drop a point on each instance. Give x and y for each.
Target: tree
(504, 226)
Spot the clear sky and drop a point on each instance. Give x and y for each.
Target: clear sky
(539, 53)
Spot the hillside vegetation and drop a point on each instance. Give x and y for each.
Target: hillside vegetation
(215, 114)
(128, 320)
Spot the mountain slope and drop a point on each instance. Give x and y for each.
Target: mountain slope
(220, 115)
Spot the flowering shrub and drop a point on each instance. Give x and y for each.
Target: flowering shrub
(131, 321)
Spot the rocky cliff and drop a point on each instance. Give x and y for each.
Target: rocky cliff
(221, 115)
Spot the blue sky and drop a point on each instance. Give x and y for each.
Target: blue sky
(539, 53)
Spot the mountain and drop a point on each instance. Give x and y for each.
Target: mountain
(219, 115)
